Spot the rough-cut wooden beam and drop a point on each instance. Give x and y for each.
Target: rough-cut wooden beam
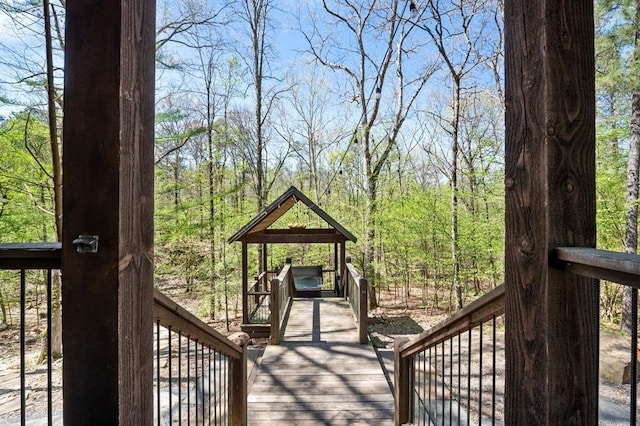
(551, 315)
(321, 235)
(108, 191)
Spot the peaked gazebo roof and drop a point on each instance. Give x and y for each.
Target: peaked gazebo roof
(256, 231)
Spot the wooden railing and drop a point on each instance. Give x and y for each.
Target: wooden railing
(258, 299)
(205, 371)
(282, 289)
(36, 387)
(429, 371)
(431, 385)
(621, 268)
(200, 375)
(357, 293)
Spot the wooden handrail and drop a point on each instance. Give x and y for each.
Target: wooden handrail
(481, 310)
(618, 267)
(281, 293)
(174, 316)
(30, 255)
(356, 290)
(623, 268)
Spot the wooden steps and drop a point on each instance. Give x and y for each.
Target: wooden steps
(320, 374)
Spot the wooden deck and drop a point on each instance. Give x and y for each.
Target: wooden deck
(320, 374)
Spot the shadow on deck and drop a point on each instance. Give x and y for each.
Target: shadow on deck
(320, 373)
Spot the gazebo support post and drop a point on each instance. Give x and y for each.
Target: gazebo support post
(336, 271)
(265, 267)
(245, 284)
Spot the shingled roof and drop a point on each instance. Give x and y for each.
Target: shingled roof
(259, 225)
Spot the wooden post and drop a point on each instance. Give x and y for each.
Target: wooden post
(551, 316)
(275, 311)
(245, 283)
(403, 380)
(363, 315)
(265, 263)
(108, 191)
(346, 277)
(336, 273)
(238, 382)
(343, 261)
(290, 282)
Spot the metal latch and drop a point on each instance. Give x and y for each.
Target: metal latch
(86, 243)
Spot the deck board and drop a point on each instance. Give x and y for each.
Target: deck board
(320, 374)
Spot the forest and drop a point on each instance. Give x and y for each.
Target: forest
(388, 114)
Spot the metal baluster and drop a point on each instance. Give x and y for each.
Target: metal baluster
(469, 378)
(459, 376)
(480, 376)
(224, 389)
(180, 377)
(170, 377)
(195, 377)
(158, 370)
(435, 385)
(419, 412)
(23, 348)
(443, 375)
(216, 386)
(49, 354)
(188, 380)
(425, 390)
(450, 380)
(203, 383)
(493, 385)
(634, 356)
(209, 381)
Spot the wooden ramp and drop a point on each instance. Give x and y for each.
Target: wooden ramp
(320, 374)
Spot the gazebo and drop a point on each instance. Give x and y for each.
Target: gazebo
(259, 231)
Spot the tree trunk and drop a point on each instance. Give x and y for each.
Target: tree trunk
(631, 229)
(456, 287)
(370, 230)
(56, 326)
(212, 207)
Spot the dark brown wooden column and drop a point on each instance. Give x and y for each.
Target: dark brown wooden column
(336, 268)
(108, 191)
(343, 263)
(245, 283)
(265, 262)
(551, 316)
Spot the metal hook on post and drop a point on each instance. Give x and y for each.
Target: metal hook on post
(86, 243)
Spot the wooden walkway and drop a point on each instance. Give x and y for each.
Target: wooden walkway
(320, 374)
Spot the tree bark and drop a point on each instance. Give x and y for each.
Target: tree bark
(631, 228)
(56, 165)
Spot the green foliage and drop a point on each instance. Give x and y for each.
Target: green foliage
(25, 180)
(204, 182)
